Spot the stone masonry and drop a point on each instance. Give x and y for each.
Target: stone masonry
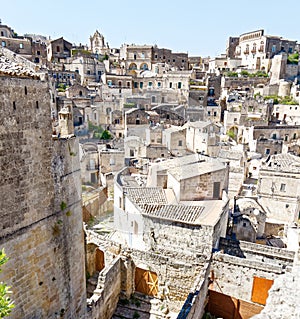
(40, 206)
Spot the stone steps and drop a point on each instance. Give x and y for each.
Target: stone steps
(138, 307)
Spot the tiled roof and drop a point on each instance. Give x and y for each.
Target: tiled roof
(16, 67)
(146, 195)
(282, 162)
(181, 213)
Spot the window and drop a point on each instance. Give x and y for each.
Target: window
(235, 119)
(159, 84)
(37, 104)
(282, 187)
(134, 56)
(95, 116)
(294, 136)
(273, 48)
(25, 90)
(215, 113)
(267, 151)
(274, 136)
(135, 85)
(174, 60)
(38, 52)
(170, 85)
(88, 72)
(150, 84)
(208, 113)
(57, 49)
(244, 224)
(153, 99)
(3, 44)
(179, 85)
(21, 45)
(180, 143)
(131, 153)
(14, 105)
(141, 85)
(128, 84)
(2, 34)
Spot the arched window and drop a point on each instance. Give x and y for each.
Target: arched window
(144, 66)
(132, 66)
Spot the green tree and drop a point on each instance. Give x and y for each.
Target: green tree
(6, 304)
(106, 135)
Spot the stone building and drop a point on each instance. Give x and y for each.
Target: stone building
(59, 50)
(278, 187)
(257, 49)
(98, 45)
(202, 137)
(40, 205)
(89, 69)
(174, 138)
(89, 163)
(274, 139)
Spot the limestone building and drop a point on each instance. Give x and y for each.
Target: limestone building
(257, 49)
(40, 205)
(278, 187)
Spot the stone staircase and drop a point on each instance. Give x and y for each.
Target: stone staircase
(92, 284)
(140, 306)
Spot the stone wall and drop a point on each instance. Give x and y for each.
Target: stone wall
(234, 276)
(201, 187)
(40, 206)
(178, 270)
(194, 306)
(104, 301)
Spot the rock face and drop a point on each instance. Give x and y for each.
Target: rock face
(40, 206)
(283, 300)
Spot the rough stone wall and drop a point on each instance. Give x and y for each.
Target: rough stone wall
(201, 187)
(104, 301)
(234, 276)
(40, 206)
(179, 270)
(174, 234)
(111, 161)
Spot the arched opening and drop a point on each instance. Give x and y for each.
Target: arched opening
(132, 66)
(144, 66)
(99, 260)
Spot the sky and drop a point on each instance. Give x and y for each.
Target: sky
(196, 27)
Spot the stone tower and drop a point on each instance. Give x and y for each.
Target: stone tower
(40, 205)
(97, 44)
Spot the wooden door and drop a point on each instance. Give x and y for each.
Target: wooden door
(146, 282)
(260, 289)
(99, 260)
